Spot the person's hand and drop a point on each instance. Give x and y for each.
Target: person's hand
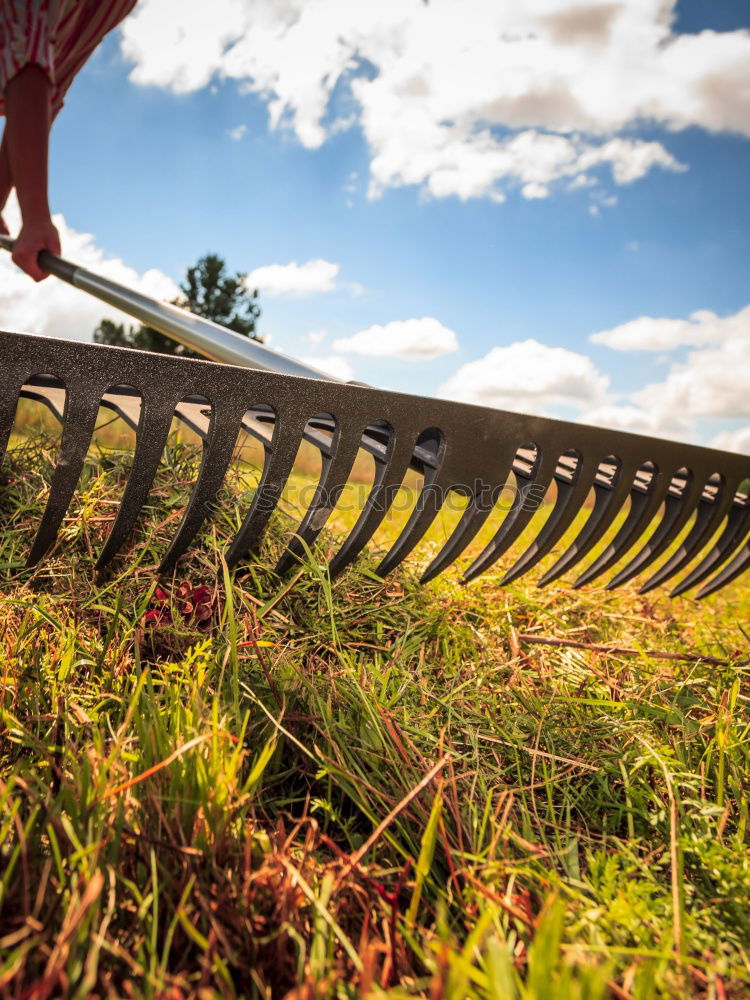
(36, 234)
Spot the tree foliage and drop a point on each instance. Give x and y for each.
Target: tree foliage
(210, 291)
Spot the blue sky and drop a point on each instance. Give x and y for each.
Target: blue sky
(515, 268)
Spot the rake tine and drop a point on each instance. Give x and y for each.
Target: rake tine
(194, 417)
(643, 506)
(738, 565)
(710, 514)
(477, 511)
(430, 500)
(472, 519)
(426, 509)
(524, 506)
(389, 475)
(570, 496)
(677, 511)
(257, 428)
(731, 537)
(127, 409)
(335, 472)
(261, 431)
(608, 502)
(9, 393)
(217, 454)
(47, 397)
(481, 504)
(151, 437)
(280, 457)
(81, 409)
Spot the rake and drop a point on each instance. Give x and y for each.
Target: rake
(671, 491)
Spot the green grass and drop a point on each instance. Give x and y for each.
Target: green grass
(233, 787)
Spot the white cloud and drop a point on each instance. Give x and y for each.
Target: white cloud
(237, 132)
(535, 190)
(56, 309)
(663, 334)
(354, 288)
(605, 200)
(461, 99)
(630, 159)
(294, 280)
(332, 364)
(626, 418)
(478, 164)
(408, 339)
(316, 336)
(528, 377)
(709, 383)
(637, 420)
(737, 440)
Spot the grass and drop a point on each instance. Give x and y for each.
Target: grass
(220, 785)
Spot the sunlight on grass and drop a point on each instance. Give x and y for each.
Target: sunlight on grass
(228, 785)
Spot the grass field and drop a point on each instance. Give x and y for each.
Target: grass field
(234, 785)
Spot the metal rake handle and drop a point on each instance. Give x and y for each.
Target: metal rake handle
(212, 341)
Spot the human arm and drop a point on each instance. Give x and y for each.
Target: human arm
(26, 144)
(6, 182)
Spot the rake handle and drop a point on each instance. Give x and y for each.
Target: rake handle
(212, 341)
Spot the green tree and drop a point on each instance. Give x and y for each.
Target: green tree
(209, 290)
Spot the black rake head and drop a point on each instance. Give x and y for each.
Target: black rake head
(473, 451)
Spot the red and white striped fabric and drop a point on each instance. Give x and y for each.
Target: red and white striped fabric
(58, 35)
